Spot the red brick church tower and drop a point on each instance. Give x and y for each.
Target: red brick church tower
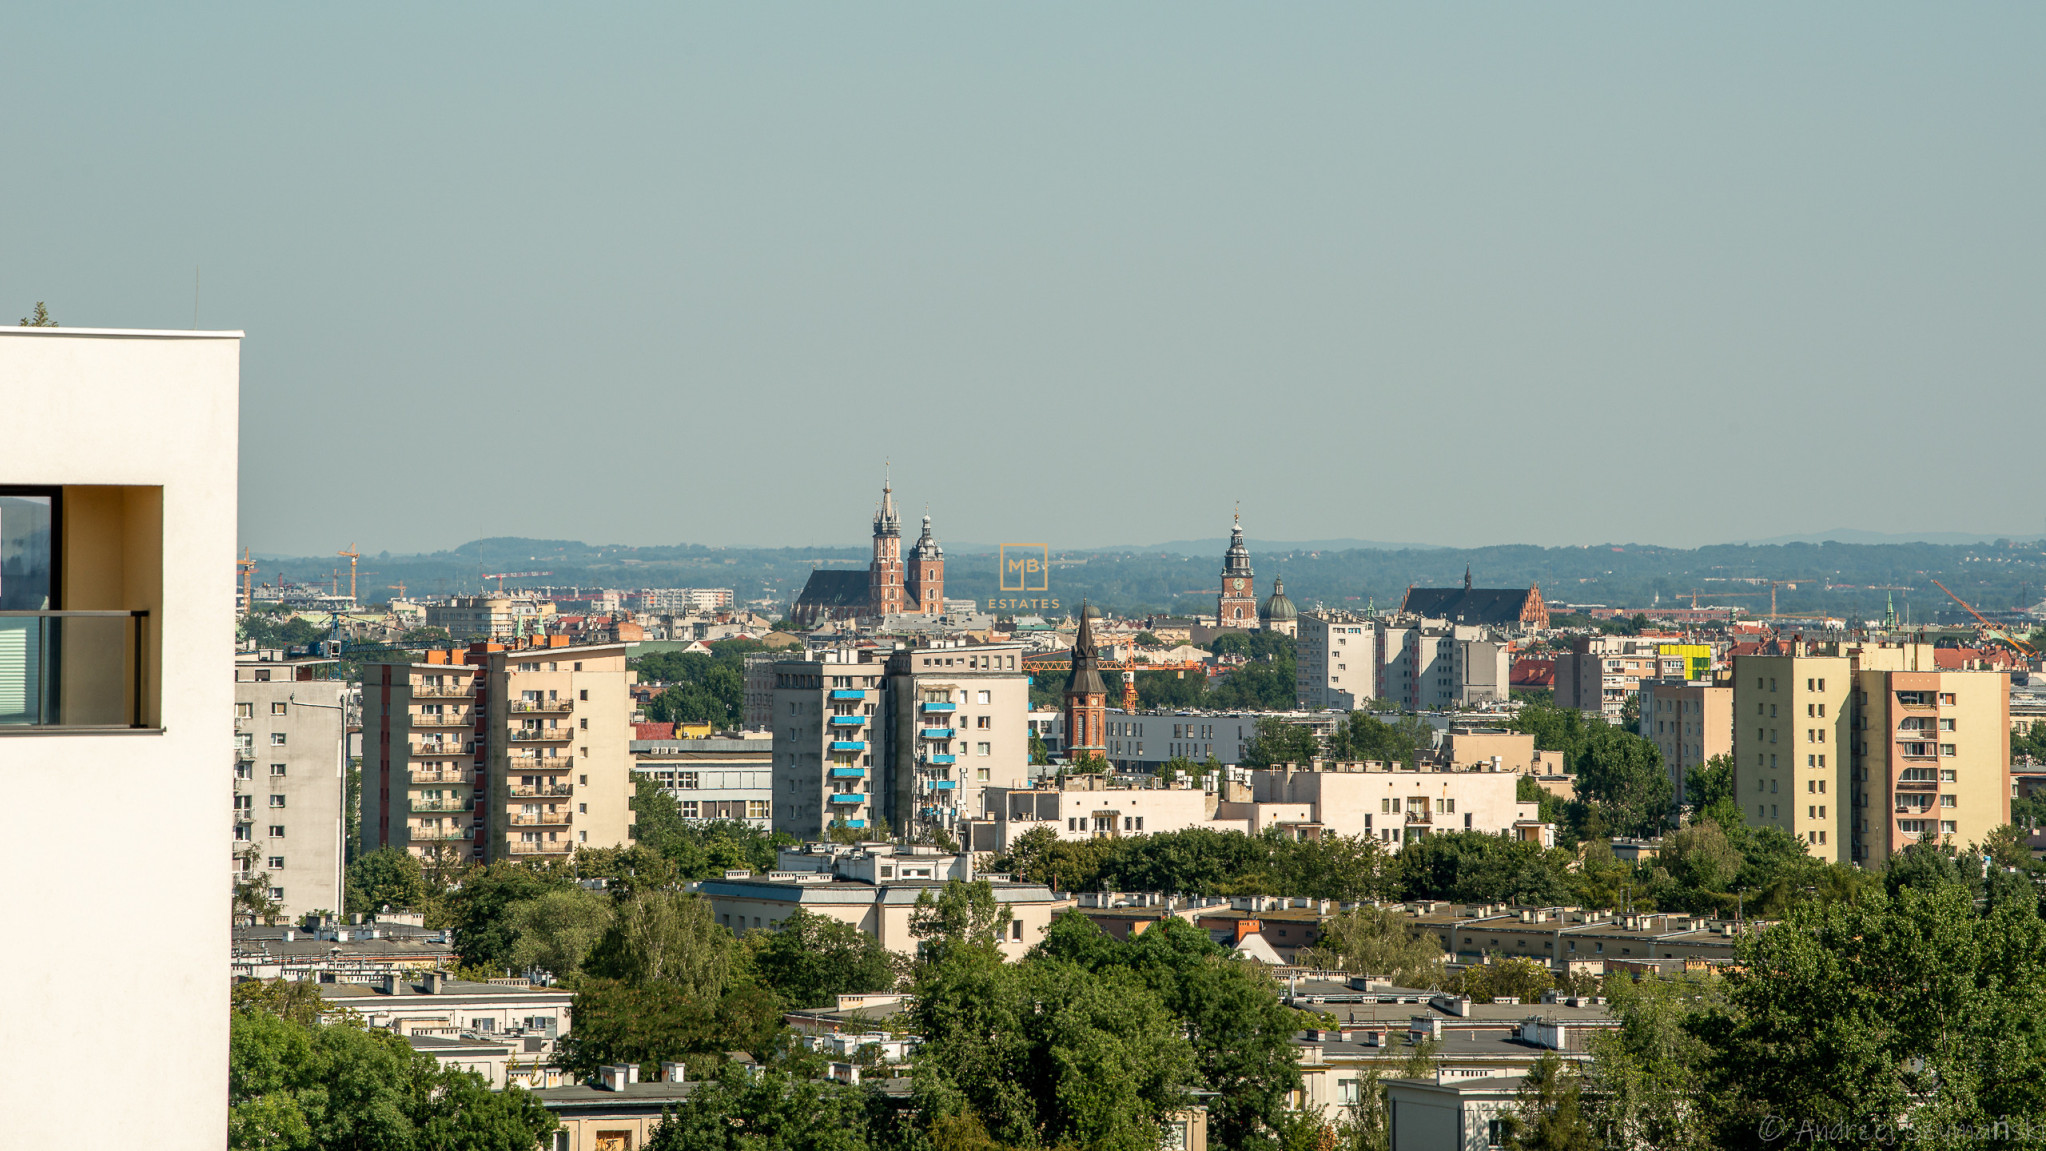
(1086, 697)
(927, 575)
(1237, 606)
(885, 574)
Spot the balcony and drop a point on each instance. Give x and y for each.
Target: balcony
(521, 847)
(543, 789)
(445, 719)
(429, 748)
(942, 785)
(933, 705)
(848, 773)
(848, 745)
(941, 758)
(442, 804)
(543, 819)
(848, 720)
(244, 753)
(542, 734)
(851, 797)
(533, 761)
(935, 733)
(848, 693)
(440, 775)
(543, 705)
(462, 690)
(72, 670)
(437, 834)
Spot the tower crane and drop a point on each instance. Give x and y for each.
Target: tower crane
(500, 577)
(1990, 630)
(247, 567)
(351, 555)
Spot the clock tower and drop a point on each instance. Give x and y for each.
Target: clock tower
(1237, 606)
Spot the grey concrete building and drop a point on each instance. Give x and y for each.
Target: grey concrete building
(290, 780)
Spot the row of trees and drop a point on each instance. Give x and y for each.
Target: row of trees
(701, 688)
(1088, 1042)
(1264, 682)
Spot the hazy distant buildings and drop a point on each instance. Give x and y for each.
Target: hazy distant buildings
(1343, 660)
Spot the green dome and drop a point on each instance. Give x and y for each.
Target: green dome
(1278, 607)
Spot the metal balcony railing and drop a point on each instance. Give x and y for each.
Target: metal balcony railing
(540, 789)
(533, 705)
(542, 734)
(64, 670)
(444, 719)
(429, 748)
(544, 819)
(521, 847)
(444, 690)
(447, 776)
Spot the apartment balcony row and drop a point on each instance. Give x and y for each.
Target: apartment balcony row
(442, 804)
(523, 847)
(524, 789)
(533, 761)
(426, 749)
(543, 705)
(443, 719)
(437, 834)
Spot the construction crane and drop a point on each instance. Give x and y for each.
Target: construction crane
(1990, 630)
(500, 577)
(351, 555)
(247, 567)
(400, 586)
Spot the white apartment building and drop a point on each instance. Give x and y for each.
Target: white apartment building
(1344, 660)
(498, 617)
(1325, 797)
(290, 781)
(680, 600)
(910, 735)
(712, 779)
(117, 543)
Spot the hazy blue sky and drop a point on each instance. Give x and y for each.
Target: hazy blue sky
(1088, 273)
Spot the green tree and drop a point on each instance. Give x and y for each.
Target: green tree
(1550, 1113)
(1711, 783)
(344, 1087)
(625, 870)
(1622, 775)
(1277, 741)
(667, 937)
(1702, 861)
(813, 959)
(1365, 736)
(1372, 940)
(962, 913)
(40, 318)
(387, 877)
(251, 892)
(648, 1023)
(774, 1111)
(556, 931)
(481, 910)
(1647, 1075)
(1474, 867)
(1518, 977)
(1886, 1012)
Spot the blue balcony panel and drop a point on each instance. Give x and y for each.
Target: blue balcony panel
(848, 693)
(849, 797)
(944, 759)
(937, 733)
(848, 720)
(848, 745)
(933, 705)
(848, 773)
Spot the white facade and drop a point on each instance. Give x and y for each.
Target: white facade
(1336, 660)
(139, 432)
(1344, 660)
(712, 779)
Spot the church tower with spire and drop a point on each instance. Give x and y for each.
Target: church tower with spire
(1237, 606)
(926, 592)
(885, 573)
(1086, 696)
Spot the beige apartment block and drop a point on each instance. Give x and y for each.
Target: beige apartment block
(117, 537)
(290, 781)
(419, 758)
(499, 617)
(557, 748)
(1691, 722)
(1931, 753)
(1792, 745)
